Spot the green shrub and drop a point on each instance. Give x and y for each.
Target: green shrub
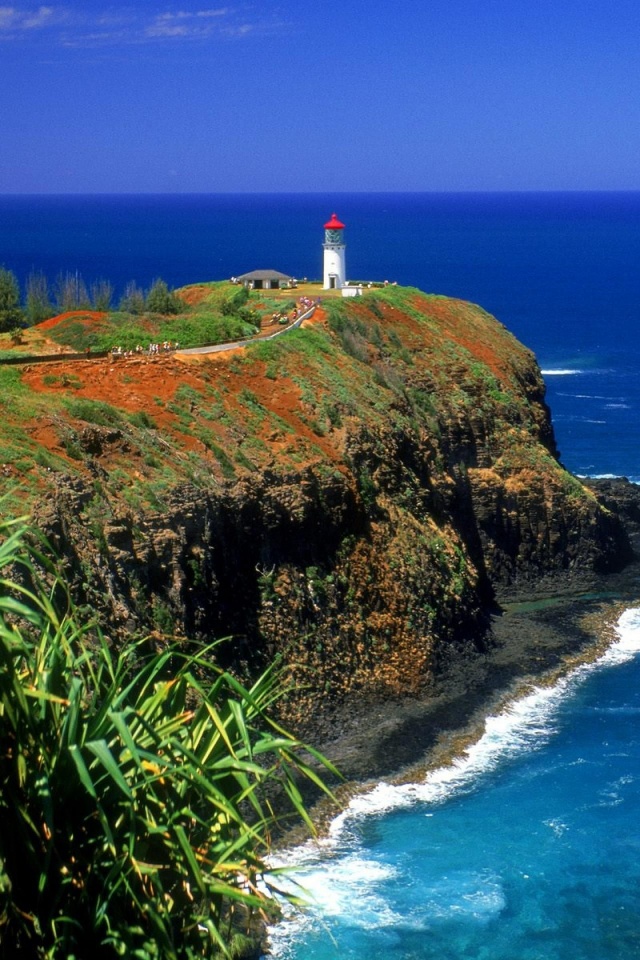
(235, 301)
(140, 418)
(133, 300)
(224, 460)
(11, 314)
(367, 489)
(161, 300)
(132, 790)
(94, 411)
(187, 394)
(72, 448)
(74, 333)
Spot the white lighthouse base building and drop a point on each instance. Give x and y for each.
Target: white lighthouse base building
(335, 272)
(334, 266)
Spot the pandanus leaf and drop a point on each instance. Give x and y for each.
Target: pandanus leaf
(134, 806)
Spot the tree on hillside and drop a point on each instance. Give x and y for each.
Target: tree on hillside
(71, 292)
(162, 300)
(38, 304)
(133, 299)
(11, 314)
(101, 295)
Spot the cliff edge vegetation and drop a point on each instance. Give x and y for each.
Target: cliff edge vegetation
(351, 497)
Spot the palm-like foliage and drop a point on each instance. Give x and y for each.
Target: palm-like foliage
(134, 807)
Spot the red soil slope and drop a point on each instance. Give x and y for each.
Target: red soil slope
(85, 314)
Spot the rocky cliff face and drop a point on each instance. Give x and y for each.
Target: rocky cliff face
(351, 496)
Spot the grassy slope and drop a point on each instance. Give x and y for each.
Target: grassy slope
(396, 356)
(386, 438)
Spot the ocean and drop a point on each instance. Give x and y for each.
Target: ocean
(559, 270)
(527, 847)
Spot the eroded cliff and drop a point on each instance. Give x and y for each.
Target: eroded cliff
(350, 496)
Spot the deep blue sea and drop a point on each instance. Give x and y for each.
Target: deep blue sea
(560, 270)
(528, 848)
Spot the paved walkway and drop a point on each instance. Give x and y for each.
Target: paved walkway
(102, 354)
(221, 347)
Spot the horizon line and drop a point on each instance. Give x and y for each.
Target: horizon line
(275, 193)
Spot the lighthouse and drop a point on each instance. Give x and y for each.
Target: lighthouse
(335, 275)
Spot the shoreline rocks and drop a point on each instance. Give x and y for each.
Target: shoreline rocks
(538, 631)
(535, 642)
(386, 483)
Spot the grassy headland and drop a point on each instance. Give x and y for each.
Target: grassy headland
(363, 483)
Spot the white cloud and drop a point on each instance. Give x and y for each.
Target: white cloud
(18, 18)
(241, 30)
(221, 12)
(194, 24)
(73, 26)
(185, 15)
(8, 17)
(41, 18)
(167, 30)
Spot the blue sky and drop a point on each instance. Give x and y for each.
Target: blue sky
(320, 95)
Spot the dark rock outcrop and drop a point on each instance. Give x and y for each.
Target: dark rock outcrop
(365, 539)
(622, 498)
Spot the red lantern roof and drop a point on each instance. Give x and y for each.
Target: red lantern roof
(334, 224)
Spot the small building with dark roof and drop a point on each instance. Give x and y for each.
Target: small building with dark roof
(265, 280)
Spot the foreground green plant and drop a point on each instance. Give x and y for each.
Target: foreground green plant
(134, 795)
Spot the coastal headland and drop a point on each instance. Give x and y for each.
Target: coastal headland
(374, 499)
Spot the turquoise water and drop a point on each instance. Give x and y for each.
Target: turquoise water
(528, 847)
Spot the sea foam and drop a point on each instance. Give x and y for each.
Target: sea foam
(340, 880)
(561, 372)
(523, 725)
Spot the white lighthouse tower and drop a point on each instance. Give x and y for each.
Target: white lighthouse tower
(335, 275)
